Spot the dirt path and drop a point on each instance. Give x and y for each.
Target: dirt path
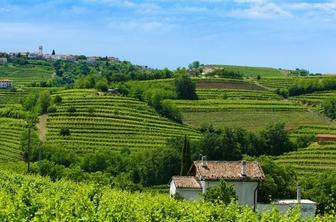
(42, 127)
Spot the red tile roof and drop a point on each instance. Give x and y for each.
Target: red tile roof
(228, 170)
(326, 136)
(188, 182)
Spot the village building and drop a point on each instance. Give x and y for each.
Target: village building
(3, 60)
(5, 83)
(326, 137)
(244, 176)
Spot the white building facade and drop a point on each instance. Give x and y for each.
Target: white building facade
(242, 175)
(6, 83)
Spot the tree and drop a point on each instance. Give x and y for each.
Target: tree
(185, 88)
(58, 99)
(222, 193)
(329, 108)
(53, 52)
(186, 157)
(194, 65)
(280, 182)
(277, 139)
(43, 101)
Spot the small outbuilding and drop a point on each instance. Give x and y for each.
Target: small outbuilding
(326, 137)
(3, 60)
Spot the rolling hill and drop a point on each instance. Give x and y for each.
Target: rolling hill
(101, 121)
(23, 75)
(315, 159)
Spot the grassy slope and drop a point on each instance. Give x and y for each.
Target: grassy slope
(110, 122)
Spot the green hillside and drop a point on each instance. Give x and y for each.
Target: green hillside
(316, 97)
(109, 122)
(26, 74)
(10, 139)
(312, 160)
(252, 71)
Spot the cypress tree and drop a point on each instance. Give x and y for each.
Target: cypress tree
(186, 157)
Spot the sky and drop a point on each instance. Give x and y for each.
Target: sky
(173, 33)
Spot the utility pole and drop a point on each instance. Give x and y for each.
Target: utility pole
(28, 149)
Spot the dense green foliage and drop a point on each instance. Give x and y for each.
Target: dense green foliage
(185, 88)
(329, 108)
(233, 143)
(37, 199)
(280, 182)
(222, 193)
(223, 73)
(311, 85)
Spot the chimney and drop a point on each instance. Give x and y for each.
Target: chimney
(204, 162)
(298, 194)
(243, 168)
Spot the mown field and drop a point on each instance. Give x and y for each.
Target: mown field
(109, 122)
(10, 139)
(26, 74)
(315, 159)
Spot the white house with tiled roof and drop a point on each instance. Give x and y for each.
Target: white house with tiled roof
(5, 83)
(243, 175)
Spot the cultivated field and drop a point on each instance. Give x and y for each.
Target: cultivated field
(26, 74)
(312, 160)
(10, 139)
(251, 71)
(109, 122)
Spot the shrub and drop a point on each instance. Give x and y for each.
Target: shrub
(52, 109)
(329, 108)
(65, 132)
(58, 99)
(223, 193)
(71, 109)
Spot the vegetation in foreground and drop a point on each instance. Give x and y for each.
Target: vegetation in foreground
(35, 198)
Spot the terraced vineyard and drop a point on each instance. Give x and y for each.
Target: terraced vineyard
(312, 160)
(236, 94)
(277, 83)
(316, 97)
(222, 83)
(109, 122)
(7, 97)
(213, 105)
(251, 71)
(24, 75)
(315, 129)
(10, 139)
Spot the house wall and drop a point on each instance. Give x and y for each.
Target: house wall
(307, 209)
(244, 190)
(188, 194)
